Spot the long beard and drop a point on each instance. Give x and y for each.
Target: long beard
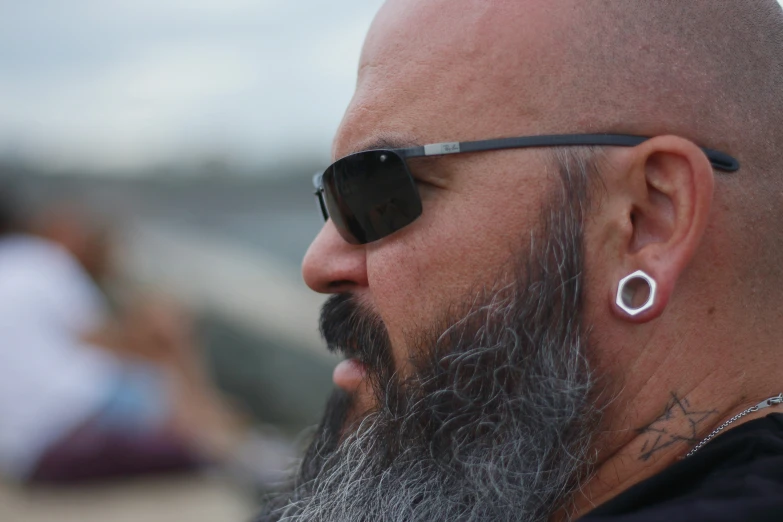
(495, 421)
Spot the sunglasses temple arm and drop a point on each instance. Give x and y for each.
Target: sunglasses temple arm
(719, 160)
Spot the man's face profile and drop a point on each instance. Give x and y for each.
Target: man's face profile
(495, 388)
(488, 367)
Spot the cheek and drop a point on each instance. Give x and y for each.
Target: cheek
(608, 353)
(461, 242)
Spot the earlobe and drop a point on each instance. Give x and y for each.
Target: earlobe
(667, 194)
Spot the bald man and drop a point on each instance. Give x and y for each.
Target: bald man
(553, 248)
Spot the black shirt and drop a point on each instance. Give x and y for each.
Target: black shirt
(737, 476)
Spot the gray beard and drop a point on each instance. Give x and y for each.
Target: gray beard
(496, 420)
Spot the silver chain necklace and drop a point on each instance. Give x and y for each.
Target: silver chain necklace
(772, 401)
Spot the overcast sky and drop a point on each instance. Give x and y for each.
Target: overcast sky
(126, 84)
(120, 85)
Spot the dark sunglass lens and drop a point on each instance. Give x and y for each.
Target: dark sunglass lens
(370, 195)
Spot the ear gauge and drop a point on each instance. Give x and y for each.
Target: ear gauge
(628, 288)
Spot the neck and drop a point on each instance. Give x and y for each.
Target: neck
(659, 441)
(678, 379)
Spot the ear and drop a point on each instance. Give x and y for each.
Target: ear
(665, 194)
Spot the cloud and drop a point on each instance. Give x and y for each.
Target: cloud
(125, 85)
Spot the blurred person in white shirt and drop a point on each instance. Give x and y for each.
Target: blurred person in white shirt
(88, 396)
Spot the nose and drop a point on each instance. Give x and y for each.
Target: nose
(332, 265)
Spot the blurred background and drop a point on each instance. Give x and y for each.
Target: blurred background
(159, 353)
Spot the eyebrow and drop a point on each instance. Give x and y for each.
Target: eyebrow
(384, 142)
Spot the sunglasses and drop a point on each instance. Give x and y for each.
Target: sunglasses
(372, 194)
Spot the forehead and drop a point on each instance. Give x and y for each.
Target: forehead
(445, 70)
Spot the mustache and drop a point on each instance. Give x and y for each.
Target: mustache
(357, 333)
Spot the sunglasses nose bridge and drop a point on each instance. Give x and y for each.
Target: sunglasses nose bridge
(319, 194)
(319, 201)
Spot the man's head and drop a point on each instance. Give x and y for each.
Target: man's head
(471, 324)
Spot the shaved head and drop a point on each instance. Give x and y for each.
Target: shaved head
(711, 71)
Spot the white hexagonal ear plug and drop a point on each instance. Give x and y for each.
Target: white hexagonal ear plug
(625, 293)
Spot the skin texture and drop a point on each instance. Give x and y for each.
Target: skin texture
(464, 70)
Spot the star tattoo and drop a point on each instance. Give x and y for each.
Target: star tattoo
(678, 423)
